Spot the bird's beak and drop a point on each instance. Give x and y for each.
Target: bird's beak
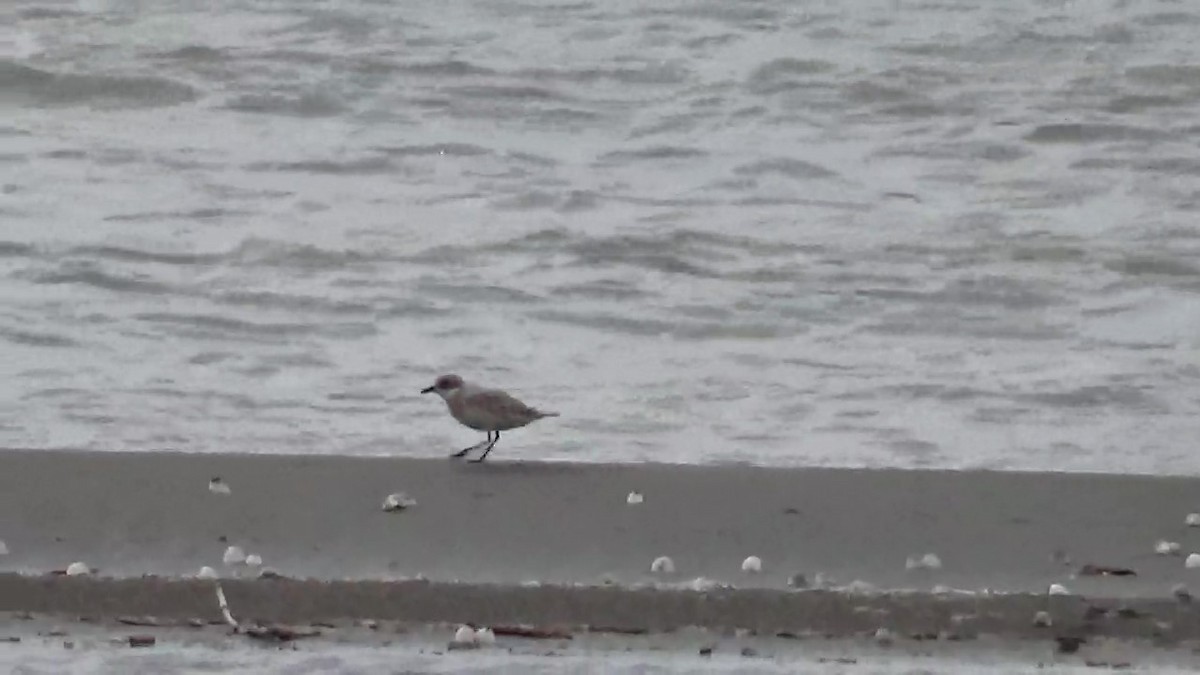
(427, 390)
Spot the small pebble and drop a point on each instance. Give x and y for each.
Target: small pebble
(1181, 593)
(76, 569)
(798, 580)
(141, 640)
(749, 652)
(218, 486)
(662, 565)
(206, 572)
(635, 497)
(1192, 561)
(752, 564)
(1069, 644)
(1058, 589)
(1164, 547)
(1192, 520)
(234, 555)
(398, 501)
(1042, 620)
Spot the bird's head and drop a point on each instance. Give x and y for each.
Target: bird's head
(444, 386)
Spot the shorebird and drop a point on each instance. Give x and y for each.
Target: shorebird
(490, 410)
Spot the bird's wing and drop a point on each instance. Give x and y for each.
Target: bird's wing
(500, 405)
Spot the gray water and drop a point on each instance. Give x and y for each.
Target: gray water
(856, 233)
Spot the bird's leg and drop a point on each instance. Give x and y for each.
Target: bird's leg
(486, 451)
(464, 451)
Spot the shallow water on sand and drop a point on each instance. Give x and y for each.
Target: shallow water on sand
(95, 655)
(869, 232)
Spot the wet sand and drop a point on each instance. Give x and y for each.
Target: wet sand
(320, 517)
(557, 547)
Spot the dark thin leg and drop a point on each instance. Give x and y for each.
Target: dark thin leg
(485, 452)
(464, 451)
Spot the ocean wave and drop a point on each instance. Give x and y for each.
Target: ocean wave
(313, 104)
(224, 327)
(360, 166)
(44, 87)
(87, 275)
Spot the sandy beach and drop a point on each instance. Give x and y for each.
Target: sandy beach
(502, 522)
(557, 546)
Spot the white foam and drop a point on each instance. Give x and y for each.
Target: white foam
(752, 564)
(76, 569)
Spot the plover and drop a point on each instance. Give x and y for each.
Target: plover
(490, 410)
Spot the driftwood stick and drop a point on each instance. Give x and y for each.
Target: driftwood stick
(225, 608)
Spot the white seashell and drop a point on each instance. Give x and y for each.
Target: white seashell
(464, 635)
(1058, 589)
(662, 565)
(703, 584)
(254, 560)
(218, 486)
(1164, 547)
(76, 569)
(860, 587)
(485, 636)
(1192, 561)
(234, 555)
(929, 561)
(1042, 620)
(398, 501)
(3, 548)
(206, 572)
(753, 564)
(635, 497)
